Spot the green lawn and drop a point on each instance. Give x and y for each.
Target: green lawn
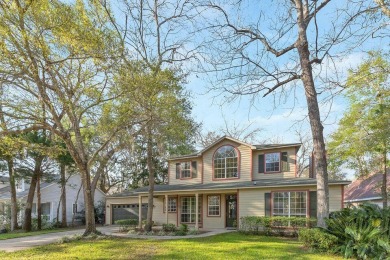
(21, 233)
(224, 246)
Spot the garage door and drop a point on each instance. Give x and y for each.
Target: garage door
(127, 211)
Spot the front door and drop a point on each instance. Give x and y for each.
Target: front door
(231, 211)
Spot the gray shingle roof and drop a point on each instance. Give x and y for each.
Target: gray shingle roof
(272, 146)
(5, 193)
(228, 185)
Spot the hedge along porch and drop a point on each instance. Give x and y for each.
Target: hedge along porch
(211, 206)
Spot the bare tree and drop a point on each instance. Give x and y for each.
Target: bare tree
(280, 45)
(244, 132)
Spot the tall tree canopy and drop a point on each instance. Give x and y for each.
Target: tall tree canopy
(53, 73)
(362, 141)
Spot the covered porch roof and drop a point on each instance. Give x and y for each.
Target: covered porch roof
(265, 183)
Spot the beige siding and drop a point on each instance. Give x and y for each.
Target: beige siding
(214, 222)
(279, 175)
(112, 201)
(245, 155)
(159, 216)
(172, 172)
(335, 198)
(251, 201)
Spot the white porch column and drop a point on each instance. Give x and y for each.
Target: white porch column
(166, 209)
(196, 211)
(139, 211)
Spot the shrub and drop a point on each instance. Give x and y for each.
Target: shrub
(362, 232)
(126, 224)
(169, 227)
(180, 233)
(317, 239)
(184, 228)
(274, 225)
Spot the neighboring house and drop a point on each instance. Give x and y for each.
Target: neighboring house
(50, 197)
(4, 181)
(366, 189)
(227, 180)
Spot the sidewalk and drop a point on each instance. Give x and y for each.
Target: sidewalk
(21, 243)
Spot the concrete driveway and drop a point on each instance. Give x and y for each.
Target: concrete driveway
(16, 244)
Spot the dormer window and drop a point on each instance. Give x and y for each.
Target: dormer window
(225, 163)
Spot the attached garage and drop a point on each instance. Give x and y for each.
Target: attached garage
(127, 211)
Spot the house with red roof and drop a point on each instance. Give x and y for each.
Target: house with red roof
(366, 189)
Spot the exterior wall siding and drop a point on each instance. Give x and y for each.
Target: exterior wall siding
(335, 198)
(278, 175)
(172, 172)
(112, 201)
(251, 202)
(52, 194)
(214, 221)
(245, 155)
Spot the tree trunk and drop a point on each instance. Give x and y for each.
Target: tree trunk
(384, 182)
(39, 208)
(90, 226)
(63, 195)
(14, 202)
(31, 192)
(314, 117)
(149, 217)
(75, 202)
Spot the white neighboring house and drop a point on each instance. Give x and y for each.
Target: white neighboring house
(50, 197)
(4, 181)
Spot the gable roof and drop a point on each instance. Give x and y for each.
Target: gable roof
(5, 193)
(253, 147)
(365, 188)
(264, 183)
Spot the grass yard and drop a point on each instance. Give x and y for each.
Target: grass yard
(224, 246)
(21, 233)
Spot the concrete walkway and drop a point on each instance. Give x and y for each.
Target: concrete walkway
(21, 243)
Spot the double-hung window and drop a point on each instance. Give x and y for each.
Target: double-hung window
(188, 209)
(214, 205)
(290, 203)
(272, 162)
(185, 170)
(172, 205)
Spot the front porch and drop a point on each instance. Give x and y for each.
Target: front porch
(197, 210)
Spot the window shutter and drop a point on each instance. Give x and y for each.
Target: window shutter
(313, 204)
(177, 170)
(194, 169)
(285, 163)
(267, 203)
(261, 163)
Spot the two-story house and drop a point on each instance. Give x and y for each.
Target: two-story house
(225, 181)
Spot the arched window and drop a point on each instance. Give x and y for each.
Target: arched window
(225, 163)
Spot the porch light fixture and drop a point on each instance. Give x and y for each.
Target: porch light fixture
(254, 183)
